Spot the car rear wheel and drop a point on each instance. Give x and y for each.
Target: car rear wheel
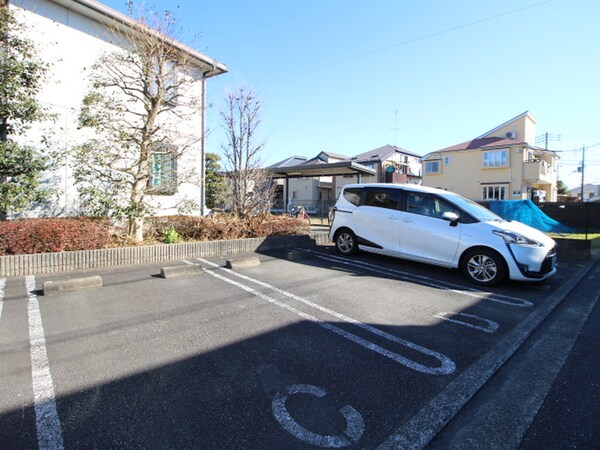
(345, 243)
(484, 267)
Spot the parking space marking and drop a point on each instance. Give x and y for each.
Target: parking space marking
(491, 296)
(355, 424)
(47, 422)
(491, 327)
(2, 286)
(447, 366)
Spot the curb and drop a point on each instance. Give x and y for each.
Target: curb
(421, 428)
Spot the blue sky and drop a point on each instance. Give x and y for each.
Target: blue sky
(348, 77)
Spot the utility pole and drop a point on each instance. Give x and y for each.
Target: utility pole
(582, 171)
(585, 206)
(395, 129)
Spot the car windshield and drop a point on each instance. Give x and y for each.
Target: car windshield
(474, 209)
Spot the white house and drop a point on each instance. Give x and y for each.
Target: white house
(71, 35)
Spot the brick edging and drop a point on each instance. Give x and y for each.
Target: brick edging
(41, 263)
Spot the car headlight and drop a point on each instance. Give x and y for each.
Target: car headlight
(510, 237)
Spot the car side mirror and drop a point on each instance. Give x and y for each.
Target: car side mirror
(451, 217)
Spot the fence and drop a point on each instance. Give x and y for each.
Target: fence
(582, 216)
(314, 208)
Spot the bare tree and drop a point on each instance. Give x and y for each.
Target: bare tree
(138, 99)
(251, 188)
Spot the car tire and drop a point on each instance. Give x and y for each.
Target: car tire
(484, 267)
(346, 243)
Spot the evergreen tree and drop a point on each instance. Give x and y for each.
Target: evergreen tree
(215, 182)
(21, 75)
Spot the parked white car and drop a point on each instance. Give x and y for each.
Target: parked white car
(442, 228)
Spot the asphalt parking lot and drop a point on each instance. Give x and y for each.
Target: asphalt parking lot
(305, 350)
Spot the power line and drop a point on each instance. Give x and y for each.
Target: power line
(410, 41)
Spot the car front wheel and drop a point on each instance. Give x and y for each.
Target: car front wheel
(484, 267)
(345, 243)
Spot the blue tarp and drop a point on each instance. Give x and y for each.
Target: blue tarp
(527, 212)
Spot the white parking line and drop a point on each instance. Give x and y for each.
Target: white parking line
(446, 367)
(2, 286)
(451, 287)
(47, 423)
(491, 327)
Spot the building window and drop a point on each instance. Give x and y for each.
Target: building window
(163, 173)
(447, 160)
(494, 192)
(495, 158)
(432, 167)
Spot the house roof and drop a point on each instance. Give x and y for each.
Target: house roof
(107, 16)
(382, 154)
(481, 143)
(324, 157)
(291, 161)
(320, 170)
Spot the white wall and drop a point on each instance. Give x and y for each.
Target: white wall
(72, 42)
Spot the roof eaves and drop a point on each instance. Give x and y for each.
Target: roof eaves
(108, 16)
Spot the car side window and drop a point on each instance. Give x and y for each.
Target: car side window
(427, 205)
(383, 198)
(352, 195)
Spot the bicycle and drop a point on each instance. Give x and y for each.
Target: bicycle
(299, 212)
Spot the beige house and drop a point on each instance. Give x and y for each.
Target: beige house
(502, 164)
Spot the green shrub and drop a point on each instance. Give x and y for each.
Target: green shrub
(171, 236)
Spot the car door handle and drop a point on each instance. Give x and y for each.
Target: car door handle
(407, 220)
(393, 218)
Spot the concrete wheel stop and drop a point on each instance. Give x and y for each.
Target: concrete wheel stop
(178, 271)
(74, 284)
(240, 263)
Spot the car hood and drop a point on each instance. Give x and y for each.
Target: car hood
(523, 229)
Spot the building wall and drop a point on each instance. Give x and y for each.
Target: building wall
(463, 172)
(521, 130)
(72, 42)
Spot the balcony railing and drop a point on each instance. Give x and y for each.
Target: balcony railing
(539, 171)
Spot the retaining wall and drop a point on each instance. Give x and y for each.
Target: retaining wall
(19, 265)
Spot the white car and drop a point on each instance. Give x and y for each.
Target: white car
(442, 228)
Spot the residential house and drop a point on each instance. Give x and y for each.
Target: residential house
(71, 35)
(314, 192)
(502, 164)
(392, 165)
(317, 192)
(591, 192)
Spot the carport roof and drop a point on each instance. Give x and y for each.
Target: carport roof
(321, 170)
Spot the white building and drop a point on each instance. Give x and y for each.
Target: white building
(71, 35)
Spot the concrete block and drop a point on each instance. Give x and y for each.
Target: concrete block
(240, 263)
(74, 284)
(178, 271)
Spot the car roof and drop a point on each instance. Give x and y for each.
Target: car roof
(407, 187)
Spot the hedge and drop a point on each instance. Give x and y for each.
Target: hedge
(26, 236)
(224, 227)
